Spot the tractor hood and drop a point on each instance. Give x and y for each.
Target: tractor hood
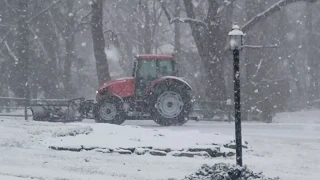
(122, 87)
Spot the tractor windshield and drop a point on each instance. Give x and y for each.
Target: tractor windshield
(151, 69)
(148, 69)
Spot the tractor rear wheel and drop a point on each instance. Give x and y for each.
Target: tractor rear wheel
(171, 107)
(109, 110)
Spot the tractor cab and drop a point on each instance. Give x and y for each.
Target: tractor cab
(148, 68)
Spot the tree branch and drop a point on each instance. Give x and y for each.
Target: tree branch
(44, 10)
(33, 18)
(81, 23)
(40, 43)
(179, 19)
(314, 47)
(166, 12)
(85, 16)
(276, 7)
(259, 46)
(188, 20)
(5, 35)
(11, 53)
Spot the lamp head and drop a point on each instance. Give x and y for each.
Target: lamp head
(235, 38)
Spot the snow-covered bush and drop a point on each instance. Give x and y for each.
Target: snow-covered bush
(223, 171)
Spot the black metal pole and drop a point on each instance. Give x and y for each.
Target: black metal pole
(237, 106)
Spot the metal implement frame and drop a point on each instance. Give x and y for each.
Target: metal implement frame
(48, 104)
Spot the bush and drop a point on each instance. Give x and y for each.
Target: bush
(223, 171)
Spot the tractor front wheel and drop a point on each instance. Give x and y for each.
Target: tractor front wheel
(110, 111)
(171, 107)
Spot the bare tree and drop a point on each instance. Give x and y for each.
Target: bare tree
(210, 37)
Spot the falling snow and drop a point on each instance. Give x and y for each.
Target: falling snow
(164, 61)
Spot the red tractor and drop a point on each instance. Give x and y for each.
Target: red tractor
(152, 92)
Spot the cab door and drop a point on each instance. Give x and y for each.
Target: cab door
(146, 72)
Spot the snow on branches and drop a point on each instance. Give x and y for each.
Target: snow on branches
(276, 7)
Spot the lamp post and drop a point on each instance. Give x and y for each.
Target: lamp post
(236, 36)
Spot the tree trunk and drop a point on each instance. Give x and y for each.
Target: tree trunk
(147, 29)
(210, 41)
(4, 84)
(181, 62)
(177, 33)
(99, 42)
(21, 67)
(69, 35)
(70, 57)
(312, 61)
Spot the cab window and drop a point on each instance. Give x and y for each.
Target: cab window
(147, 69)
(166, 67)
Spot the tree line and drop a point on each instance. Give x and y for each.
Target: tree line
(67, 48)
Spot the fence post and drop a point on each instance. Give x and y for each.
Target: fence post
(27, 102)
(26, 109)
(7, 104)
(229, 107)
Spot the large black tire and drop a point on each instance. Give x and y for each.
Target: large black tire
(171, 105)
(109, 110)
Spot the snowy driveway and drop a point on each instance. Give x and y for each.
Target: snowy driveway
(286, 149)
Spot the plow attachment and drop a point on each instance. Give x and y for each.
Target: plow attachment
(57, 110)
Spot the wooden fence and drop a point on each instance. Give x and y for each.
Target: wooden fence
(9, 104)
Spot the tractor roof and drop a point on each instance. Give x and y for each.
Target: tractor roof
(153, 56)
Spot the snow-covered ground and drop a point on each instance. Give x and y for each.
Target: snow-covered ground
(114, 136)
(287, 148)
(306, 116)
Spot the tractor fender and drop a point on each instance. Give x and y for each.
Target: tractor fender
(168, 78)
(108, 95)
